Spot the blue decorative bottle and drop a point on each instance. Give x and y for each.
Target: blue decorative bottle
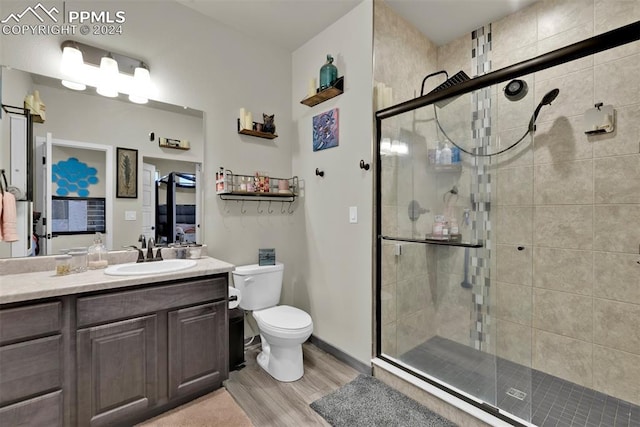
(328, 73)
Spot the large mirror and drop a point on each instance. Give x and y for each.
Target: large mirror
(86, 140)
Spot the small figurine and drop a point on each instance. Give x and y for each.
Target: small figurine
(268, 126)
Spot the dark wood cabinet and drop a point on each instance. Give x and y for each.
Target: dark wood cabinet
(117, 370)
(197, 351)
(113, 357)
(31, 365)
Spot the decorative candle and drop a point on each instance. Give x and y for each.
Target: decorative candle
(243, 115)
(311, 89)
(388, 97)
(249, 121)
(380, 96)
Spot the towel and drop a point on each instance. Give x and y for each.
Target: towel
(1, 194)
(8, 218)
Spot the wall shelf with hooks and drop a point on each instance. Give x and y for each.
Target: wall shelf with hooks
(334, 90)
(230, 186)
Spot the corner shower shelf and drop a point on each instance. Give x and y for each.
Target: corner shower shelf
(437, 242)
(331, 92)
(454, 167)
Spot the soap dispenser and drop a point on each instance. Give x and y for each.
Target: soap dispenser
(97, 256)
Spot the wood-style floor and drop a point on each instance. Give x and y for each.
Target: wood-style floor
(268, 402)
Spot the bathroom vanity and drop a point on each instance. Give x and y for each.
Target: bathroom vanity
(91, 349)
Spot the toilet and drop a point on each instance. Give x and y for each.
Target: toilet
(283, 329)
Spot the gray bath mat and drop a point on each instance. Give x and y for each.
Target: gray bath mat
(367, 401)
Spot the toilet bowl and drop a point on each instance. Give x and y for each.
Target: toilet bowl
(282, 328)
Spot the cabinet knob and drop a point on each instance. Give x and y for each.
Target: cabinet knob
(319, 173)
(364, 165)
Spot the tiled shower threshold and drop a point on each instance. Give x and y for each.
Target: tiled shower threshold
(527, 393)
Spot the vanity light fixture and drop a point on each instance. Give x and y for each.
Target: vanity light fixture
(108, 82)
(109, 72)
(141, 85)
(71, 67)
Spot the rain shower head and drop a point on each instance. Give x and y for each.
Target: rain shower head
(456, 79)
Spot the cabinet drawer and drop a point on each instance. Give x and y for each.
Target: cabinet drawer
(29, 368)
(29, 321)
(41, 411)
(118, 305)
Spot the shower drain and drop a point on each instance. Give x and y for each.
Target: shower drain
(514, 392)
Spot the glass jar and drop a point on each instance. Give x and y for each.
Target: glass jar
(63, 265)
(97, 254)
(328, 73)
(78, 261)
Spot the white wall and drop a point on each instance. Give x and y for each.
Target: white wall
(333, 280)
(197, 62)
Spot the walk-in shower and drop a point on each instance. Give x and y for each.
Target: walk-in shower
(514, 295)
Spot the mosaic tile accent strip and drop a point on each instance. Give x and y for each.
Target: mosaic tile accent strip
(549, 400)
(481, 193)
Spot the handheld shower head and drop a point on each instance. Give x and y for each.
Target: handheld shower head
(550, 96)
(547, 99)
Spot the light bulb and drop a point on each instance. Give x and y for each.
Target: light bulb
(140, 86)
(108, 83)
(71, 67)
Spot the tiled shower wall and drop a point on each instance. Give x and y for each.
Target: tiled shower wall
(569, 302)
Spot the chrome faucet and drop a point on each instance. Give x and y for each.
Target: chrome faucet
(150, 245)
(141, 240)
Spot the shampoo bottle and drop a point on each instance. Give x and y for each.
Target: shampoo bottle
(445, 156)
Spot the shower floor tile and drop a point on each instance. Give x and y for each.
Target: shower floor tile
(527, 393)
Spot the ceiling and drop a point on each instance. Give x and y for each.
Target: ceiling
(291, 23)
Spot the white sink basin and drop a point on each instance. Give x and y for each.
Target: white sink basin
(153, 267)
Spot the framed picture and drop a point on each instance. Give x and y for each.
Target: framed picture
(326, 130)
(127, 173)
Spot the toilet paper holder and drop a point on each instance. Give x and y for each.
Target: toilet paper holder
(599, 119)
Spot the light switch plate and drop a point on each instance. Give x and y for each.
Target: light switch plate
(129, 215)
(353, 214)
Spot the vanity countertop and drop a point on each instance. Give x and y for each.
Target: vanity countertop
(45, 284)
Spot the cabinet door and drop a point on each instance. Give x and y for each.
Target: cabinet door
(117, 370)
(197, 348)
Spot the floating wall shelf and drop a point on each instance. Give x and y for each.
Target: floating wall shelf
(331, 92)
(256, 133)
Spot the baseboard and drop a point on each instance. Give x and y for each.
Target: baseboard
(341, 356)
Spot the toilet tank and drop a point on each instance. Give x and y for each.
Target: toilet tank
(259, 285)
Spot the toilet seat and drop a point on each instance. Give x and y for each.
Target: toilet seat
(283, 318)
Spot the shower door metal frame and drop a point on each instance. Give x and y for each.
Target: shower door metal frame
(605, 41)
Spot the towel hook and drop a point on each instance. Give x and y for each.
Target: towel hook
(242, 209)
(319, 173)
(364, 165)
(290, 206)
(282, 210)
(269, 208)
(260, 211)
